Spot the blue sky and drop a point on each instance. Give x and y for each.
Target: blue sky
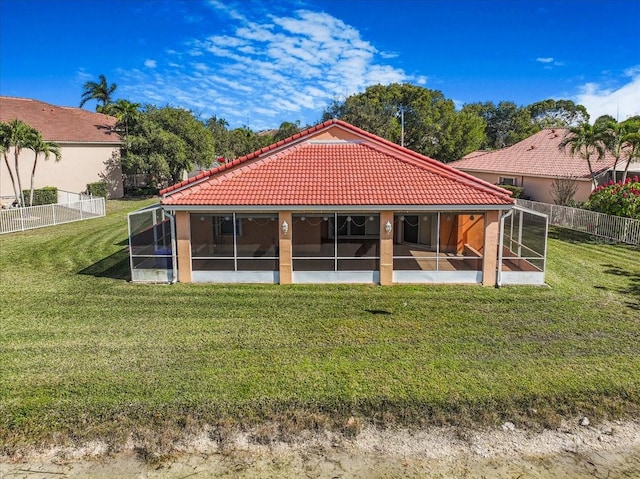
(258, 63)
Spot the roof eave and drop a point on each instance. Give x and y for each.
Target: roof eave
(339, 208)
(512, 173)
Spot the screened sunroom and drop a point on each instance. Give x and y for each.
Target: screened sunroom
(335, 204)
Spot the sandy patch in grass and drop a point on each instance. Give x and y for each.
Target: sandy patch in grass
(606, 450)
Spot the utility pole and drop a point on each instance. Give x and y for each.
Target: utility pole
(402, 126)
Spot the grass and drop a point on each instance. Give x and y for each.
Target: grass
(85, 354)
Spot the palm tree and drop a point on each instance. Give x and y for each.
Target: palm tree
(611, 136)
(47, 148)
(125, 111)
(19, 134)
(101, 92)
(5, 145)
(588, 141)
(630, 139)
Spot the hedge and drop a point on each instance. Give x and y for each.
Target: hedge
(516, 190)
(42, 196)
(99, 188)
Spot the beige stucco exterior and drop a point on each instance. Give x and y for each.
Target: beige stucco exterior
(286, 258)
(537, 188)
(491, 240)
(183, 245)
(80, 164)
(386, 249)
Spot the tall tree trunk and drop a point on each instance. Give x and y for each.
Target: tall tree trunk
(615, 166)
(16, 153)
(626, 170)
(13, 180)
(594, 182)
(33, 174)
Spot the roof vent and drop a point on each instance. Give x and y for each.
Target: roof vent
(532, 147)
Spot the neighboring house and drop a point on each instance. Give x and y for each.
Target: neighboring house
(89, 145)
(330, 204)
(534, 164)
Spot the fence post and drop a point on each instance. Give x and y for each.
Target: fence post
(53, 213)
(22, 219)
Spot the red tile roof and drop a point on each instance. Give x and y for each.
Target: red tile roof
(60, 124)
(537, 155)
(308, 169)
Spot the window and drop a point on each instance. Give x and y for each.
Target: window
(507, 181)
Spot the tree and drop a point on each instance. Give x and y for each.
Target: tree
(230, 144)
(587, 141)
(421, 119)
(5, 145)
(506, 123)
(286, 130)
(630, 139)
(461, 136)
(557, 113)
(41, 146)
(19, 135)
(101, 92)
(165, 143)
(611, 133)
(563, 190)
(125, 112)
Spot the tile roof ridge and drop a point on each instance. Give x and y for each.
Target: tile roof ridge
(444, 168)
(243, 159)
(430, 164)
(9, 97)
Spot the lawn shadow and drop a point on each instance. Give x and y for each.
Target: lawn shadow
(115, 266)
(580, 237)
(633, 287)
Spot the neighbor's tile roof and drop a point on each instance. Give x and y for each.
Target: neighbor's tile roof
(60, 124)
(538, 155)
(363, 171)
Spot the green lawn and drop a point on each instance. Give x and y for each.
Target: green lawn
(85, 354)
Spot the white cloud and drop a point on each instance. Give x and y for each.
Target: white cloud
(83, 75)
(269, 67)
(549, 62)
(150, 63)
(226, 9)
(620, 102)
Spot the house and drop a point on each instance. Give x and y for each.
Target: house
(89, 145)
(330, 204)
(534, 164)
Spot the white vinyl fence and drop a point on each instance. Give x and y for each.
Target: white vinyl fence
(20, 219)
(614, 228)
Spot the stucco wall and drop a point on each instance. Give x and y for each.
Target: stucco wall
(537, 188)
(80, 164)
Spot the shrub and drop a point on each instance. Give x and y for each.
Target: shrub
(516, 190)
(563, 189)
(99, 188)
(142, 191)
(42, 196)
(619, 199)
